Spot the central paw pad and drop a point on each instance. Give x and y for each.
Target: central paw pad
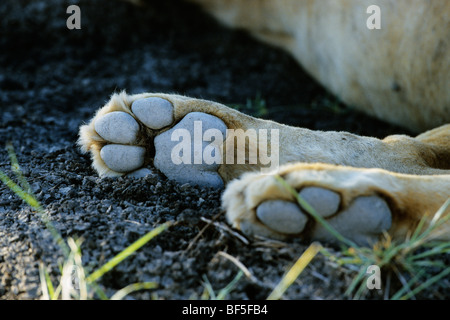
(188, 151)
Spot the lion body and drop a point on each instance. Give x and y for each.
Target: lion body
(399, 73)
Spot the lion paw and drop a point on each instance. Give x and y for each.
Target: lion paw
(125, 138)
(259, 205)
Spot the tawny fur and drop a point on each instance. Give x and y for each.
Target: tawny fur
(400, 73)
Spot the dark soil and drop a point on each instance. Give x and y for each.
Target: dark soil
(53, 79)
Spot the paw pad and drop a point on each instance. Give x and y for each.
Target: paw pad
(123, 158)
(185, 159)
(199, 135)
(324, 201)
(286, 217)
(155, 113)
(282, 216)
(117, 127)
(362, 222)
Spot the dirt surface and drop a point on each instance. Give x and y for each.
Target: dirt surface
(53, 79)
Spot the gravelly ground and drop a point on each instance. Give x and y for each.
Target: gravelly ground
(53, 79)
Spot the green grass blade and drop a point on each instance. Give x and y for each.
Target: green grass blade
(427, 283)
(430, 264)
(46, 283)
(209, 290)
(225, 291)
(100, 293)
(34, 203)
(442, 248)
(357, 280)
(436, 222)
(389, 254)
(407, 287)
(440, 212)
(75, 247)
(359, 293)
(417, 232)
(127, 252)
(57, 292)
(15, 167)
(25, 196)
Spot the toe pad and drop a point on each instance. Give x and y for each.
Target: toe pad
(324, 201)
(362, 222)
(122, 158)
(117, 127)
(155, 113)
(282, 216)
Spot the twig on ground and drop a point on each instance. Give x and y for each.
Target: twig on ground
(224, 227)
(240, 265)
(193, 241)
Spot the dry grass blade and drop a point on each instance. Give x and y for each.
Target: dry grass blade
(224, 227)
(240, 265)
(122, 293)
(295, 271)
(193, 241)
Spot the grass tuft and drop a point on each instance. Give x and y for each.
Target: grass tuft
(416, 263)
(209, 293)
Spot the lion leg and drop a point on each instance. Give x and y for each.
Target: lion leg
(430, 150)
(133, 131)
(438, 141)
(359, 203)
